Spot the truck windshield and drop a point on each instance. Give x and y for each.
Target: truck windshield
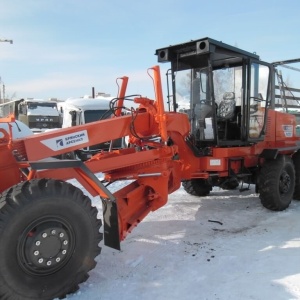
(40, 105)
(95, 115)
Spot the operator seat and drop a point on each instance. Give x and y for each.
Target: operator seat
(226, 108)
(225, 116)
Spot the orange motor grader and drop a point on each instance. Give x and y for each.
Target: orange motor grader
(222, 128)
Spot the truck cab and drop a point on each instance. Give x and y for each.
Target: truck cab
(78, 111)
(38, 114)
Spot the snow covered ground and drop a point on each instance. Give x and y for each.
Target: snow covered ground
(180, 252)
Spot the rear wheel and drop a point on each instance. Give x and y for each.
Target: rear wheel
(296, 160)
(276, 183)
(49, 238)
(197, 187)
(69, 155)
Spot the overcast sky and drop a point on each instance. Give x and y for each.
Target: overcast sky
(63, 48)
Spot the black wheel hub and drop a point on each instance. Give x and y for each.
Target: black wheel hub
(49, 247)
(46, 246)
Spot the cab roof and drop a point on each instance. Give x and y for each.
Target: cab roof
(196, 52)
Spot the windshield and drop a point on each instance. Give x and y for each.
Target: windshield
(204, 99)
(41, 105)
(192, 86)
(95, 115)
(39, 109)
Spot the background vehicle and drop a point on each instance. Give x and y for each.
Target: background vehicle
(80, 111)
(37, 114)
(228, 131)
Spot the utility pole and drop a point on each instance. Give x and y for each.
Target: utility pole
(2, 101)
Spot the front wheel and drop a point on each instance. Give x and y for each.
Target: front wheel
(277, 183)
(49, 238)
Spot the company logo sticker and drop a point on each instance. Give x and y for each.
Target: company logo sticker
(59, 143)
(288, 130)
(67, 140)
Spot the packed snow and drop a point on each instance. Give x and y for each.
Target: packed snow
(225, 246)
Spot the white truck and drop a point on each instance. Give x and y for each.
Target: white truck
(77, 111)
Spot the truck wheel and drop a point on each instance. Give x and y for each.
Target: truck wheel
(296, 160)
(49, 236)
(68, 155)
(276, 183)
(230, 184)
(197, 187)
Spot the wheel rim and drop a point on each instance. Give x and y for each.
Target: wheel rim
(46, 245)
(284, 183)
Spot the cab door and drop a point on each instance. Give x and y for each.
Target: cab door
(258, 99)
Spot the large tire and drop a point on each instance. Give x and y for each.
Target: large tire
(49, 236)
(296, 160)
(69, 155)
(197, 187)
(277, 183)
(230, 184)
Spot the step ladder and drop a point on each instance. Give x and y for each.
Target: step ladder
(242, 173)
